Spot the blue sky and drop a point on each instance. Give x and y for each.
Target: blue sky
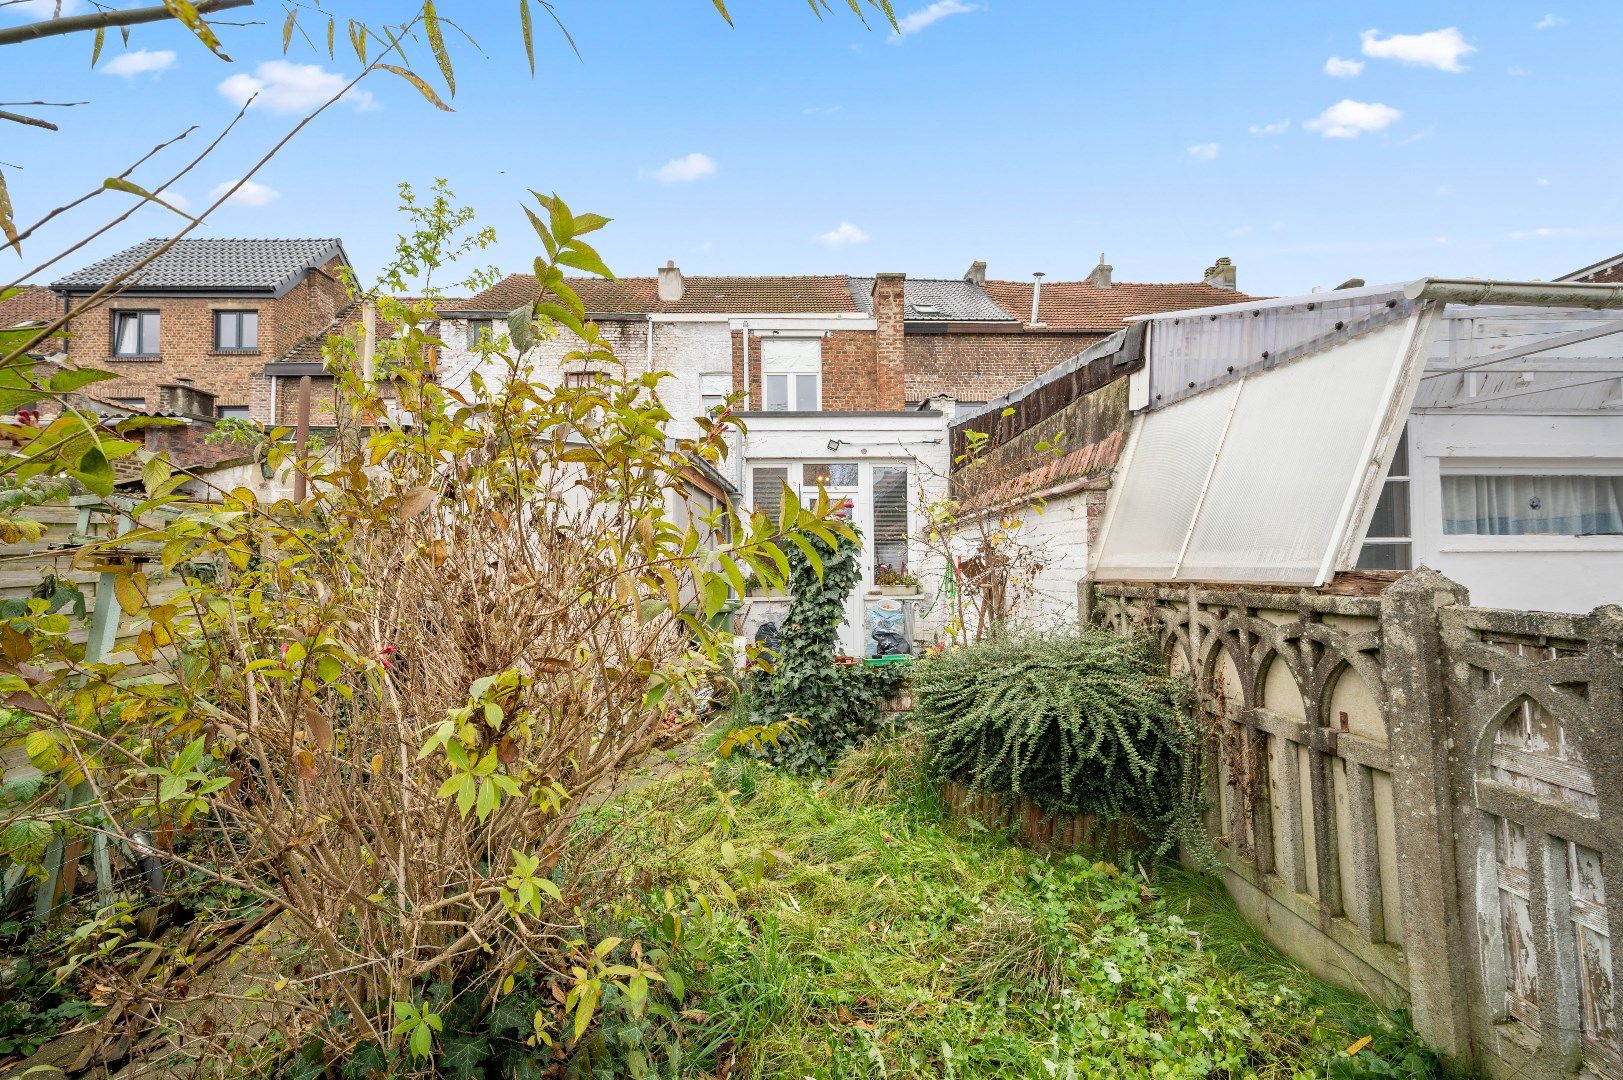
(1464, 139)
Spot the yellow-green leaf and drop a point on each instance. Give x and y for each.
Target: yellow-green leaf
(721, 7)
(524, 24)
(287, 27)
(436, 43)
(187, 13)
(95, 49)
(7, 226)
(422, 87)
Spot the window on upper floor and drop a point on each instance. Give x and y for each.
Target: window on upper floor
(232, 412)
(480, 330)
(792, 374)
(135, 333)
(236, 331)
(578, 379)
(714, 387)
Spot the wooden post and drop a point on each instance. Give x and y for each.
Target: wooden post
(300, 438)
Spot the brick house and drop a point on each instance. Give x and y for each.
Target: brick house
(207, 311)
(847, 381)
(30, 307)
(1605, 272)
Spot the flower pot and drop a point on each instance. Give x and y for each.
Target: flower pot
(898, 590)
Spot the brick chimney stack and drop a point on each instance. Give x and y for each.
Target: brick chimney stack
(1222, 275)
(890, 346)
(670, 283)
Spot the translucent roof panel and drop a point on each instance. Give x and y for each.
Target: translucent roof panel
(1193, 351)
(1158, 483)
(1255, 480)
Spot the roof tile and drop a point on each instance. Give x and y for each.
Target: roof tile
(210, 263)
(1081, 305)
(700, 295)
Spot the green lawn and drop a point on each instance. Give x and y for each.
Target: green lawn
(850, 930)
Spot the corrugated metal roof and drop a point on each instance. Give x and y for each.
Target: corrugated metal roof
(936, 300)
(194, 265)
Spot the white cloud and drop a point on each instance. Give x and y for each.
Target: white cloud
(925, 17)
(1516, 70)
(685, 170)
(1205, 151)
(1278, 127)
(175, 199)
(843, 235)
(251, 193)
(821, 110)
(1440, 49)
(140, 62)
(1419, 136)
(1544, 233)
(1342, 68)
(1543, 181)
(33, 10)
(1549, 22)
(1348, 119)
(285, 87)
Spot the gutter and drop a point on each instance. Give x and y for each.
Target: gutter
(1525, 293)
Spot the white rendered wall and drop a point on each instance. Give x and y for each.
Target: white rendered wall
(1541, 573)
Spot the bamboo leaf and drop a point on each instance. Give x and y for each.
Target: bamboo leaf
(332, 26)
(529, 42)
(287, 28)
(7, 225)
(357, 40)
(118, 183)
(721, 8)
(422, 87)
(95, 49)
(186, 12)
(436, 43)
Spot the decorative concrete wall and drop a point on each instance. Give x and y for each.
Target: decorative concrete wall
(1418, 799)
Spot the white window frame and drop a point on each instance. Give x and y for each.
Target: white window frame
(1405, 444)
(797, 363)
(1522, 465)
(714, 388)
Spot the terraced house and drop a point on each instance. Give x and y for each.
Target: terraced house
(846, 382)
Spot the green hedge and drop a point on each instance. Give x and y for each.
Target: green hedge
(1083, 723)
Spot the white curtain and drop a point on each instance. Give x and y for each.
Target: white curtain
(129, 335)
(1509, 505)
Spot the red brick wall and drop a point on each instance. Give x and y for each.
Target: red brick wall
(980, 367)
(186, 339)
(890, 344)
(850, 371)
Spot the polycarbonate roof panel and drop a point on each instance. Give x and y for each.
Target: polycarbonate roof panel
(1254, 480)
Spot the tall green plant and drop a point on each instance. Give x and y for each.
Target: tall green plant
(832, 707)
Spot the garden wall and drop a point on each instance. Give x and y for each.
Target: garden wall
(1418, 799)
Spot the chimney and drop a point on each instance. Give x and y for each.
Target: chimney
(1221, 274)
(182, 398)
(1101, 273)
(1036, 297)
(890, 346)
(976, 274)
(670, 283)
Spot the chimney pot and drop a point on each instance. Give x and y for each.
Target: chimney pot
(670, 283)
(976, 274)
(1036, 297)
(1222, 274)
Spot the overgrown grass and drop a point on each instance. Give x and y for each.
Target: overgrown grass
(848, 929)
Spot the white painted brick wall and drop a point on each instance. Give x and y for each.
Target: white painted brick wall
(686, 350)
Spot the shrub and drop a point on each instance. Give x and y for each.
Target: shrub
(834, 707)
(1083, 723)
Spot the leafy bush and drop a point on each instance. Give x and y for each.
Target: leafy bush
(835, 706)
(1083, 723)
